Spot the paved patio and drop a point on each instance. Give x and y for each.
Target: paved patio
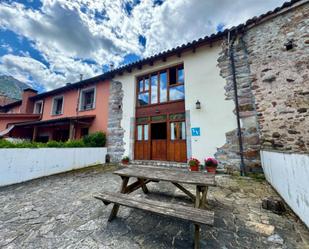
(60, 212)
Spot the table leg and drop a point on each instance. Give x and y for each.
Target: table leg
(203, 203)
(144, 187)
(197, 227)
(115, 209)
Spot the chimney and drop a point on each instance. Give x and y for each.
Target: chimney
(27, 105)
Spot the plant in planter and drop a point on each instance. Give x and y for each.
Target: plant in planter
(194, 164)
(211, 165)
(125, 160)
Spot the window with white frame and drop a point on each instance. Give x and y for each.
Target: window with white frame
(87, 99)
(38, 107)
(57, 105)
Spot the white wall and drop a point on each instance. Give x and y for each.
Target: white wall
(19, 165)
(202, 82)
(289, 175)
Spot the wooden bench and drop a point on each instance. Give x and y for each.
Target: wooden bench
(194, 215)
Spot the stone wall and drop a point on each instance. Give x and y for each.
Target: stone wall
(115, 141)
(273, 88)
(229, 153)
(281, 80)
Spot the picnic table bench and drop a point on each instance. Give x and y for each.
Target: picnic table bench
(197, 214)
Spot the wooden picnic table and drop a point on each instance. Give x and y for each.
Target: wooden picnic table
(177, 177)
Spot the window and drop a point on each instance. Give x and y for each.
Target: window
(177, 92)
(87, 99)
(143, 91)
(178, 131)
(142, 132)
(176, 83)
(154, 89)
(162, 86)
(57, 105)
(38, 107)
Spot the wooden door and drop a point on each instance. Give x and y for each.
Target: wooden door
(158, 150)
(159, 141)
(177, 146)
(142, 143)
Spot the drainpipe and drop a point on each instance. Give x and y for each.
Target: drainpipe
(239, 132)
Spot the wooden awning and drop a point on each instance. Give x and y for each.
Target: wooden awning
(59, 121)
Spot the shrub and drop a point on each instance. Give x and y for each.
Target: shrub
(6, 144)
(97, 139)
(54, 144)
(26, 144)
(74, 144)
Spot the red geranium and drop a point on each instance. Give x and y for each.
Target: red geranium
(210, 161)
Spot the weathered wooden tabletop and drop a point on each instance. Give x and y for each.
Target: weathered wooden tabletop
(169, 175)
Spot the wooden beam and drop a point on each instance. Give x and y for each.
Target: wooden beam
(164, 59)
(143, 185)
(134, 186)
(71, 132)
(187, 192)
(204, 196)
(35, 132)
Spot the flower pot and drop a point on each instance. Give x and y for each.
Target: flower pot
(194, 167)
(125, 162)
(211, 169)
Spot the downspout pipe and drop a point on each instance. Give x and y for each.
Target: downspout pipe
(239, 132)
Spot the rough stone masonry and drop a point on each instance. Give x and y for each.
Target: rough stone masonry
(272, 73)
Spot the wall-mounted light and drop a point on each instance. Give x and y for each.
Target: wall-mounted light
(198, 105)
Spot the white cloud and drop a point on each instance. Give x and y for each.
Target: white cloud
(68, 32)
(25, 68)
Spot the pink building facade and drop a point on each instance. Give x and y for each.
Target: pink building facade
(70, 112)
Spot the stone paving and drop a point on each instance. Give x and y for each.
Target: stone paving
(60, 212)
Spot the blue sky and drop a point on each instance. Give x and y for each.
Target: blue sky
(49, 43)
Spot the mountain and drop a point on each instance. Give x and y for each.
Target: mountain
(11, 87)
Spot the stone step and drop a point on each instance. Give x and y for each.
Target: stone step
(153, 163)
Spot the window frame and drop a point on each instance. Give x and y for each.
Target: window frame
(53, 104)
(35, 107)
(178, 131)
(82, 92)
(168, 85)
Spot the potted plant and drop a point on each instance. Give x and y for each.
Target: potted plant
(125, 160)
(194, 164)
(211, 165)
